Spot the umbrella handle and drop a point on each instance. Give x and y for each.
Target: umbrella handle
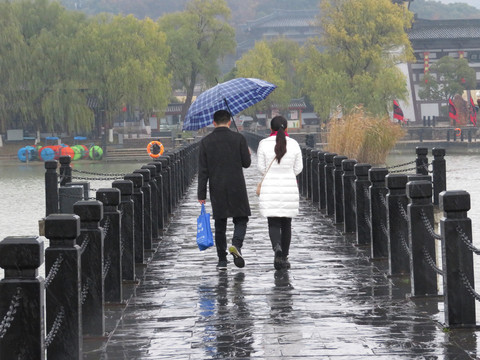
(228, 108)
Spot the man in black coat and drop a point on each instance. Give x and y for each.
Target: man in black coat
(223, 155)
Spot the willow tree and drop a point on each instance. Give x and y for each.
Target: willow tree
(199, 37)
(13, 70)
(47, 83)
(124, 61)
(363, 41)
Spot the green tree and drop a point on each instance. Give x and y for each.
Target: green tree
(13, 70)
(124, 62)
(363, 41)
(37, 59)
(447, 77)
(198, 37)
(260, 63)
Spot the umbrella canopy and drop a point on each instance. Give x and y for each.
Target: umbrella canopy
(234, 96)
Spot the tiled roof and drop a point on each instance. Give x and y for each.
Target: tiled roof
(285, 19)
(174, 109)
(445, 29)
(294, 104)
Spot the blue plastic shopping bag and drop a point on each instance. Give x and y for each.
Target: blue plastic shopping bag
(204, 231)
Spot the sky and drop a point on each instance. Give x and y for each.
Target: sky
(475, 3)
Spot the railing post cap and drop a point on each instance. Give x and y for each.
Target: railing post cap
(377, 174)
(65, 159)
(418, 177)
(136, 179)
(454, 200)
(337, 160)
(125, 186)
(438, 151)
(421, 150)
(396, 181)
(145, 173)
(151, 168)
(62, 226)
(348, 164)
(419, 189)
(19, 252)
(329, 157)
(51, 164)
(88, 210)
(321, 155)
(162, 160)
(158, 165)
(362, 169)
(314, 154)
(108, 196)
(308, 151)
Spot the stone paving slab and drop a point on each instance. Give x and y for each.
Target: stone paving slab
(334, 303)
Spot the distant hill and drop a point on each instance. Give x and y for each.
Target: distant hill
(435, 10)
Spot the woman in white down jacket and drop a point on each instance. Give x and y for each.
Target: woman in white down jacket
(280, 158)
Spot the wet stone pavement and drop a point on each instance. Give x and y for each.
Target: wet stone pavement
(334, 303)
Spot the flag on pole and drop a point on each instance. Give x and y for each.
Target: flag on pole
(452, 110)
(473, 112)
(397, 112)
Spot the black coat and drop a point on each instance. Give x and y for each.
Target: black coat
(223, 155)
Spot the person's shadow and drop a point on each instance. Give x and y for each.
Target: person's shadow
(234, 323)
(281, 302)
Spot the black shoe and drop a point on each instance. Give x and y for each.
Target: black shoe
(222, 265)
(278, 262)
(237, 256)
(286, 262)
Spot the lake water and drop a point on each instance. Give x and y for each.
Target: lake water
(22, 191)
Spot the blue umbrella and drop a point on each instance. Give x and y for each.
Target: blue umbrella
(234, 96)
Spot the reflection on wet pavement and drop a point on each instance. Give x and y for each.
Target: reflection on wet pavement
(332, 304)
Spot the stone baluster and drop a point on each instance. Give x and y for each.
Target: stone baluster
(397, 218)
(338, 188)
(423, 277)
(51, 187)
(457, 259)
(91, 242)
(63, 288)
(127, 229)
(439, 169)
(22, 299)
(112, 250)
(147, 208)
(378, 211)
(330, 183)
(138, 209)
(349, 220)
(362, 204)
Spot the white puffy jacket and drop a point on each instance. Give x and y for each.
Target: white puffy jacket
(279, 195)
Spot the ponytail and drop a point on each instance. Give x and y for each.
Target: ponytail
(279, 124)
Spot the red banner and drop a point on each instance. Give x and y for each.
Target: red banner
(473, 112)
(426, 65)
(452, 110)
(398, 112)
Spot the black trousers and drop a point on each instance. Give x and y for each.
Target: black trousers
(280, 232)
(239, 231)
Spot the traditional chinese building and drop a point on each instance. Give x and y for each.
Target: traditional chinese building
(431, 40)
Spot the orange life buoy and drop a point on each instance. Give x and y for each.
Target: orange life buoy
(151, 145)
(458, 132)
